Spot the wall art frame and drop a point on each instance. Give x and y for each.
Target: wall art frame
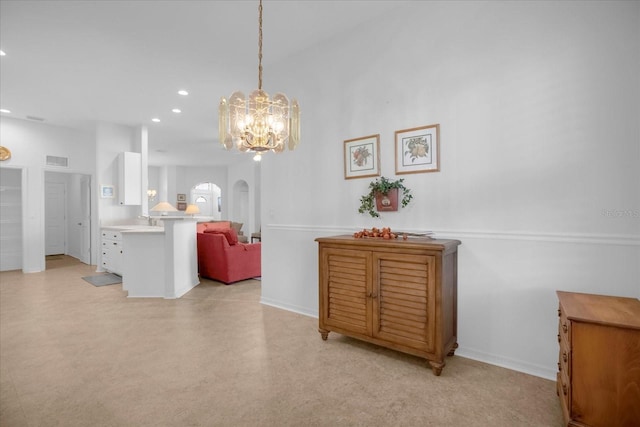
(107, 192)
(182, 197)
(182, 206)
(418, 149)
(362, 157)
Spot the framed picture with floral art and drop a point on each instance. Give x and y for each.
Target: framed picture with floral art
(362, 157)
(418, 150)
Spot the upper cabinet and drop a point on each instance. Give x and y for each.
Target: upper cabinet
(130, 178)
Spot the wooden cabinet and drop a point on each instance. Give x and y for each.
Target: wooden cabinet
(111, 250)
(401, 294)
(598, 379)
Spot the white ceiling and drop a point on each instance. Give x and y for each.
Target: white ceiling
(74, 63)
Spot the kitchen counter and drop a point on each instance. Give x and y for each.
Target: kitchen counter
(159, 262)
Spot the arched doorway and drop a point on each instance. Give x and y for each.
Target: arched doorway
(208, 197)
(240, 208)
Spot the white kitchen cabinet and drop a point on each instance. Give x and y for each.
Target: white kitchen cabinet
(111, 245)
(130, 178)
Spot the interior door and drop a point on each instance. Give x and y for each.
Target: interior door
(85, 223)
(55, 224)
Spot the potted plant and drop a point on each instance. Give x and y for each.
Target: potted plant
(385, 193)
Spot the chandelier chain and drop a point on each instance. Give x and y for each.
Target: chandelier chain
(260, 46)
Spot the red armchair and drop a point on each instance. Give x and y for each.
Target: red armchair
(221, 261)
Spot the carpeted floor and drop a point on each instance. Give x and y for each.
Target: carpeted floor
(78, 355)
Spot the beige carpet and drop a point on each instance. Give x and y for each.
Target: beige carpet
(78, 355)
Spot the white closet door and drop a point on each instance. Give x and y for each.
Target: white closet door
(10, 219)
(55, 224)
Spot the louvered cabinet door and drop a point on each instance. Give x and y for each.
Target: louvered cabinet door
(403, 299)
(345, 275)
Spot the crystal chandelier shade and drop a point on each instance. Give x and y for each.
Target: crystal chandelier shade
(259, 123)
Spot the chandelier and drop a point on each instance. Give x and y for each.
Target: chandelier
(260, 123)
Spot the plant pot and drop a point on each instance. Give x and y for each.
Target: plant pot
(387, 202)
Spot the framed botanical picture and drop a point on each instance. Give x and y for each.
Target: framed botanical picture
(418, 150)
(182, 206)
(182, 197)
(362, 157)
(106, 191)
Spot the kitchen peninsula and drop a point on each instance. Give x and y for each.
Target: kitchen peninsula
(156, 262)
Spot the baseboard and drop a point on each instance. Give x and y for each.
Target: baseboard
(288, 307)
(508, 363)
(178, 293)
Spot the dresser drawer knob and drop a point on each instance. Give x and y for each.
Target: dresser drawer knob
(559, 312)
(564, 328)
(564, 389)
(559, 367)
(558, 337)
(564, 356)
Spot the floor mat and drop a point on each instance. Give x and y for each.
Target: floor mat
(103, 279)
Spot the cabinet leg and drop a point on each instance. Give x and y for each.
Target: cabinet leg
(436, 368)
(453, 349)
(324, 334)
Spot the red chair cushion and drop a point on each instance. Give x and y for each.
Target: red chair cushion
(229, 233)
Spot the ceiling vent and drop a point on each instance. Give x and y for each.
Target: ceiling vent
(58, 161)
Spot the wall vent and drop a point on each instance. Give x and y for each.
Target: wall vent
(58, 161)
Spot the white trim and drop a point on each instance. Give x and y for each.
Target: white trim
(506, 362)
(288, 307)
(582, 238)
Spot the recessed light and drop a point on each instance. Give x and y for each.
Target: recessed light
(2, 53)
(177, 110)
(5, 111)
(155, 119)
(183, 92)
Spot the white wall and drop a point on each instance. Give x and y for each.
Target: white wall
(111, 140)
(243, 171)
(30, 143)
(539, 109)
(188, 177)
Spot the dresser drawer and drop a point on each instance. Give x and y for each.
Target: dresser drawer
(111, 235)
(564, 391)
(564, 325)
(111, 244)
(564, 358)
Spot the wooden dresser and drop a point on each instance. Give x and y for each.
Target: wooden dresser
(599, 366)
(401, 294)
